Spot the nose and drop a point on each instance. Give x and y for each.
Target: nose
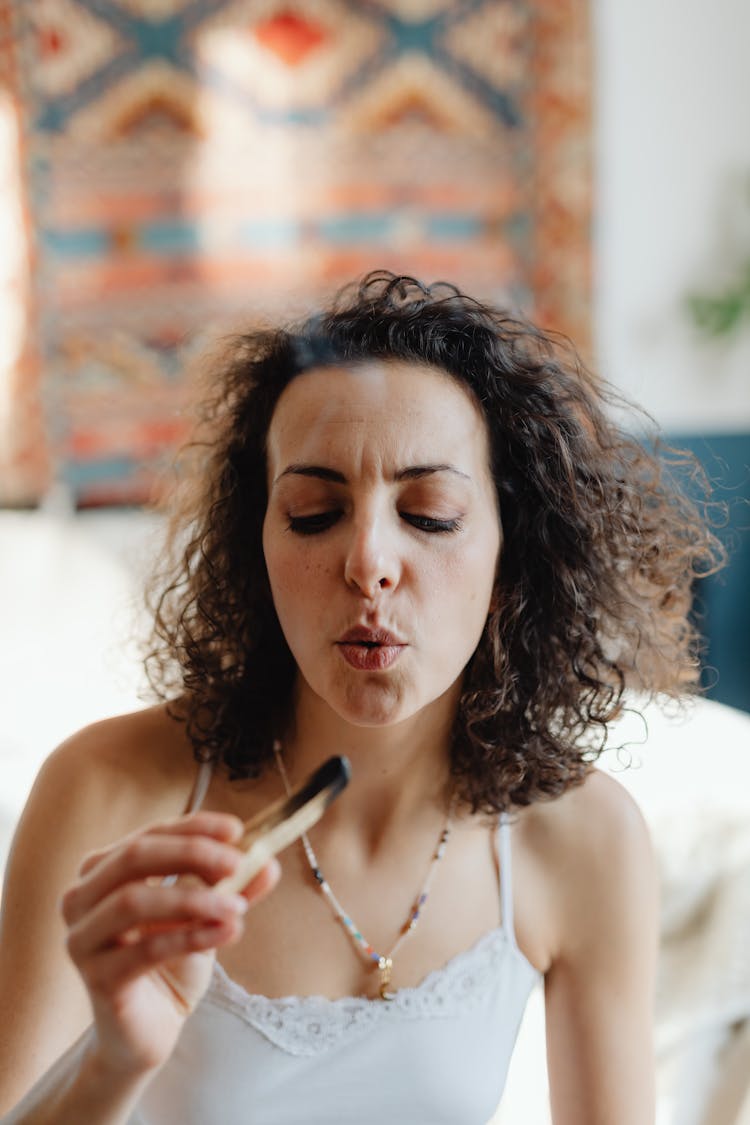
(372, 563)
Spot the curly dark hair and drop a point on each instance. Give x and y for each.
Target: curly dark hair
(601, 543)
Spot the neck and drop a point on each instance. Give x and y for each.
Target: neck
(400, 772)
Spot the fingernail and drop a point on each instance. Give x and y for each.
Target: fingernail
(239, 903)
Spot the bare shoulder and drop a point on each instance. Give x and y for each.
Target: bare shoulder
(599, 814)
(141, 762)
(102, 783)
(588, 853)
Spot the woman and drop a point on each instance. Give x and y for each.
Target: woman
(412, 536)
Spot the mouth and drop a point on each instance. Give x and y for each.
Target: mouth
(370, 638)
(370, 650)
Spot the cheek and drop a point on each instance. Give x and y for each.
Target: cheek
(288, 579)
(295, 577)
(471, 572)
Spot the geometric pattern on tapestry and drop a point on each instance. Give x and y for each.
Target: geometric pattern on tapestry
(193, 166)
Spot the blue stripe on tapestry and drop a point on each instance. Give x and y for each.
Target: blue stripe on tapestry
(447, 228)
(357, 228)
(86, 242)
(78, 474)
(270, 234)
(170, 238)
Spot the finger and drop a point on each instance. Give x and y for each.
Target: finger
(121, 964)
(114, 968)
(219, 825)
(134, 911)
(149, 856)
(263, 883)
(140, 906)
(223, 827)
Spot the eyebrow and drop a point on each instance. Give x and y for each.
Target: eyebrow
(413, 472)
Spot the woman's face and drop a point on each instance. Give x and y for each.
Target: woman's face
(381, 536)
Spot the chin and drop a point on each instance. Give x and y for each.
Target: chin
(373, 708)
(375, 701)
(383, 700)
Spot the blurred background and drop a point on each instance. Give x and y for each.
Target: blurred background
(171, 170)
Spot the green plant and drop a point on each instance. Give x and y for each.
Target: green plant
(720, 313)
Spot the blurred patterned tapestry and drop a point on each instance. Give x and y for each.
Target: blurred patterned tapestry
(192, 165)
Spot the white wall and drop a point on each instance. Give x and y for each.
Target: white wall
(673, 141)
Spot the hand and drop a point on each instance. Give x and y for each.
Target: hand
(145, 948)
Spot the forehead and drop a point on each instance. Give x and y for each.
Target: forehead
(394, 408)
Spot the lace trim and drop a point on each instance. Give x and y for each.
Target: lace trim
(310, 1025)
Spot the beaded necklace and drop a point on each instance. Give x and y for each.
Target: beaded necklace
(383, 962)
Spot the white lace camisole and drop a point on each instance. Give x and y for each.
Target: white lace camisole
(437, 1053)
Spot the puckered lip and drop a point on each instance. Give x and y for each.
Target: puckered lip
(367, 635)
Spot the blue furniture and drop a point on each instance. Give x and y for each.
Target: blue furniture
(722, 601)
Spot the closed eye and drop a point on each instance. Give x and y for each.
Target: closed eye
(428, 523)
(314, 524)
(322, 521)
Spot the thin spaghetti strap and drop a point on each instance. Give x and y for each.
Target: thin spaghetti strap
(200, 787)
(506, 878)
(195, 800)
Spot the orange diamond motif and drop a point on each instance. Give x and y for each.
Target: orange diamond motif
(290, 36)
(51, 41)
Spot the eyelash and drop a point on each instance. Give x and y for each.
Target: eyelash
(322, 521)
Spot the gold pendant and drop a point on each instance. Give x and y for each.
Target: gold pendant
(385, 964)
